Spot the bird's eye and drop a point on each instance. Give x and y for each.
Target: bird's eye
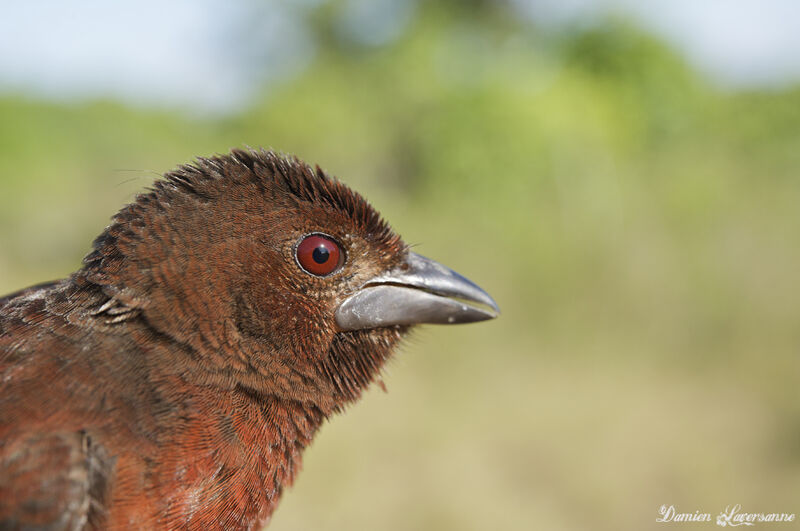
(319, 255)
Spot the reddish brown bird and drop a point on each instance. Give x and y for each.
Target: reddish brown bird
(175, 379)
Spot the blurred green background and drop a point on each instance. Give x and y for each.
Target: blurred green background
(637, 223)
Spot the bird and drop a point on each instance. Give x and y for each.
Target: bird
(174, 380)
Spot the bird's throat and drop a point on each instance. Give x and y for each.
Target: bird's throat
(246, 449)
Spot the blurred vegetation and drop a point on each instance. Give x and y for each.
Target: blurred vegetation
(638, 226)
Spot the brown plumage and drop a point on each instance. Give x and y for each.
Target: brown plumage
(174, 380)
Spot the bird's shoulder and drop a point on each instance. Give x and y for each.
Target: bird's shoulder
(53, 473)
(47, 332)
(53, 480)
(79, 411)
(84, 390)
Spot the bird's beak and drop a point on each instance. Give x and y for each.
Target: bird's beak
(419, 291)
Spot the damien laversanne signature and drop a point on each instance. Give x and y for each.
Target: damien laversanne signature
(732, 516)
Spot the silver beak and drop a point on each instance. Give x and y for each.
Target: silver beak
(420, 291)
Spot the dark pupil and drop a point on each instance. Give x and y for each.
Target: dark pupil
(321, 255)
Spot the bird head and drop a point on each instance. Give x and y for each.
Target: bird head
(273, 277)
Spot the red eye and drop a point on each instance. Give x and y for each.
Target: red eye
(319, 255)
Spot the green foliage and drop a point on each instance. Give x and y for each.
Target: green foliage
(637, 225)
